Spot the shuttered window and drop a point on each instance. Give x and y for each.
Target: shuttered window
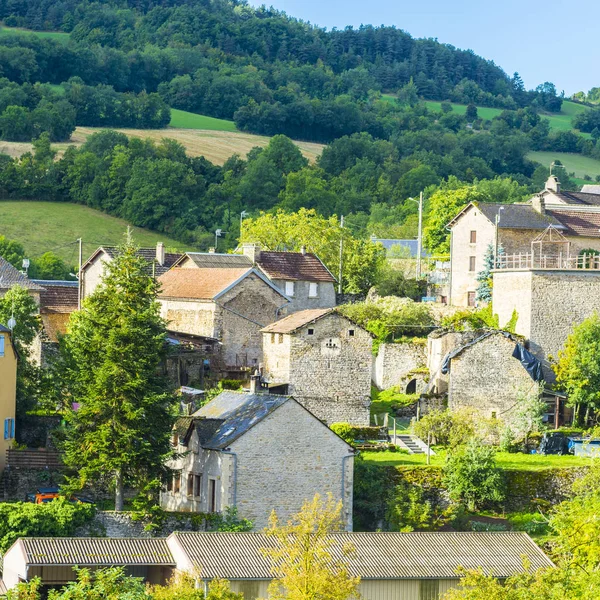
(9, 429)
(190, 485)
(1, 346)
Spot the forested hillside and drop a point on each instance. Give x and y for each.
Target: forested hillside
(362, 91)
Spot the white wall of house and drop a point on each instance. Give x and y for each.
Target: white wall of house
(92, 274)
(307, 294)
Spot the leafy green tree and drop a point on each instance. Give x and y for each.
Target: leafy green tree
(49, 266)
(408, 94)
(104, 584)
(12, 251)
(578, 366)
(472, 476)
(471, 113)
(114, 347)
(302, 559)
(17, 304)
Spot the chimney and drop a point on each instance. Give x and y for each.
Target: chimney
(303, 250)
(553, 184)
(160, 253)
(252, 251)
(539, 204)
(255, 379)
(211, 250)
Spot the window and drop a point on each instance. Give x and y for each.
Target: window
(212, 495)
(351, 332)
(197, 486)
(313, 290)
(289, 288)
(1, 346)
(471, 264)
(471, 299)
(9, 429)
(429, 589)
(493, 414)
(176, 483)
(473, 238)
(311, 332)
(272, 338)
(280, 340)
(190, 485)
(169, 484)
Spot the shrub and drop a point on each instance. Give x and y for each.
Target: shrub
(530, 523)
(472, 476)
(58, 518)
(350, 433)
(447, 428)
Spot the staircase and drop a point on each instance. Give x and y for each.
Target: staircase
(413, 444)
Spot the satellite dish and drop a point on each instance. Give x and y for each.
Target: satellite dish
(12, 323)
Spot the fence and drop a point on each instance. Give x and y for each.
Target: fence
(590, 262)
(40, 458)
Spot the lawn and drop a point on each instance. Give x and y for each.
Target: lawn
(510, 462)
(574, 163)
(51, 35)
(562, 120)
(188, 120)
(44, 226)
(484, 112)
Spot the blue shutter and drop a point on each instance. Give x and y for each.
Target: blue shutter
(12, 429)
(6, 428)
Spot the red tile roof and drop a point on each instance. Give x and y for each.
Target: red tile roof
(198, 284)
(293, 266)
(579, 223)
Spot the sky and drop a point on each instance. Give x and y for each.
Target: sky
(544, 40)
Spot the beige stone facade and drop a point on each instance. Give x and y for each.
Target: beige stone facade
(549, 304)
(326, 365)
(396, 362)
(277, 464)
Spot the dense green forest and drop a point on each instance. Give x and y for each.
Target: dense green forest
(124, 64)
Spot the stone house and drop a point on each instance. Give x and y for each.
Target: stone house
(301, 276)
(324, 360)
(257, 452)
(10, 276)
(229, 304)
(92, 270)
(8, 392)
(402, 364)
(575, 215)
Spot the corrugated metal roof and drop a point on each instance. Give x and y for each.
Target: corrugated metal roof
(233, 414)
(435, 555)
(10, 276)
(296, 320)
(294, 266)
(97, 551)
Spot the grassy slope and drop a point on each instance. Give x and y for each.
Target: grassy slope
(574, 163)
(521, 462)
(52, 35)
(188, 120)
(43, 226)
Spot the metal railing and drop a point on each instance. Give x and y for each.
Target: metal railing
(525, 261)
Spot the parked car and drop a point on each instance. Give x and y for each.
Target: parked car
(43, 495)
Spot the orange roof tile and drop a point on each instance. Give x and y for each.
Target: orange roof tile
(198, 284)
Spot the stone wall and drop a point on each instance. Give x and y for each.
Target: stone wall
(301, 300)
(394, 362)
(286, 459)
(244, 311)
(196, 317)
(549, 303)
(486, 377)
(330, 369)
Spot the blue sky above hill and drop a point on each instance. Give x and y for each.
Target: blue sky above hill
(544, 40)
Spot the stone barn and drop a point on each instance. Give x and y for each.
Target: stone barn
(257, 452)
(324, 360)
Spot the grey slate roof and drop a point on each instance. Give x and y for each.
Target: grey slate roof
(10, 276)
(590, 189)
(581, 198)
(96, 551)
(233, 414)
(208, 260)
(517, 216)
(377, 555)
(149, 255)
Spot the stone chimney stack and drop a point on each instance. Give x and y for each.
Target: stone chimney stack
(303, 250)
(255, 379)
(539, 204)
(160, 253)
(553, 184)
(252, 251)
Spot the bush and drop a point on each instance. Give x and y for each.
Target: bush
(447, 428)
(530, 523)
(350, 433)
(472, 476)
(58, 518)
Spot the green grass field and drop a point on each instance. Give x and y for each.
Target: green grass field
(484, 112)
(188, 120)
(574, 163)
(44, 226)
(509, 462)
(51, 35)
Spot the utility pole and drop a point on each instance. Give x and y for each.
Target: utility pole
(496, 238)
(79, 273)
(242, 215)
(341, 271)
(420, 236)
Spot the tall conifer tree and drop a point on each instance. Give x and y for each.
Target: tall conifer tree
(120, 431)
